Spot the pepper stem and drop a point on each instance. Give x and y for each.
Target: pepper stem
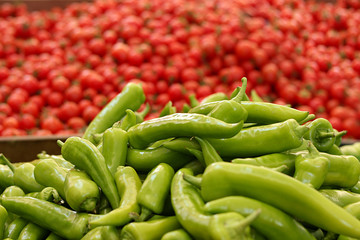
(312, 149)
(281, 168)
(308, 118)
(325, 134)
(196, 181)
(300, 130)
(144, 215)
(7, 162)
(240, 95)
(60, 143)
(198, 154)
(249, 219)
(340, 134)
(145, 111)
(193, 101)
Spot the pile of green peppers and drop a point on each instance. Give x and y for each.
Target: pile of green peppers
(225, 167)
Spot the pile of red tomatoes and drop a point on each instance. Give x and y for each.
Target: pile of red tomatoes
(59, 67)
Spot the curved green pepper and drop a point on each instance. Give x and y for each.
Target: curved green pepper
(13, 191)
(102, 233)
(153, 229)
(114, 148)
(180, 144)
(155, 190)
(219, 96)
(273, 160)
(180, 125)
(131, 97)
(209, 153)
(261, 140)
(278, 190)
(3, 219)
(33, 232)
(14, 229)
(128, 121)
(85, 156)
(179, 234)
(351, 149)
(272, 222)
(353, 209)
(81, 192)
(48, 173)
(59, 219)
(311, 168)
(321, 134)
(6, 176)
(128, 184)
(340, 197)
(146, 160)
(57, 158)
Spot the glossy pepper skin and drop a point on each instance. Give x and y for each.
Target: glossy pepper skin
(340, 197)
(103, 232)
(155, 190)
(13, 191)
(278, 190)
(3, 219)
(128, 184)
(85, 156)
(271, 222)
(57, 158)
(311, 168)
(14, 229)
(153, 229)
(344, 170)
(33, 232)
(146, 160)
(272, 138)
(179, 125)
(131, 97)
(81, 192)
(209, 153)
(179, 234)
(6, 177)
(114, 148)
(61, 220)
(351, 149)
(128, 121)
(321, 134)
(272, 160)
(48, 173)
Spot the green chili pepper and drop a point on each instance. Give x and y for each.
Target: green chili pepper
(146, 160)
(3, 219)
(273, 160)
(131, 97)
(311, 168)
(53, 236)
(49, 173)
(321, 134)
(355, 188)
(195, 166)
(85, 156)
(81, 193)
(193, 101)
(180, 145)
(261, 140)
(168, 109)
(180, 125)
(115, 148)
(61, 220)
(154, 190)
(351, 149)
(179, 234)
(344, 170)
(149, 230)
(353, 209)
(128, 121)
(198, 154)
(33, 232)
(128, 184)
(208, 151)
(6, 177)
(239, 225)
(334, 150)
(102, 232)
(272, 222)
(14, 229)
(236, 92)
(340, 197)
(280, 191)
(219, 96)
(57, 158)
(255, 96)
(48, 194)
(13, 191)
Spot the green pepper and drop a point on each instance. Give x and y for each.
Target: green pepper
(344, 170)
(85, 156)
(56, 218)
(180, 145)
(131, 97)
(128, 184)
(146, 160)
(219, 96)
(154, 190)
(140, 115)
(102, 233)
(149, 230)
(340, 197)
(115, 148)
(128, 121)
(3, 219)
(193, 100)
(255, 96)
(208, 151)
(278, 190)
(353, 209)
(334, 150)
(13, 191)
(168, 109)
(57, 158)
(53, 236)
(178, 234)
(33, 232)
(195, 166)
(321, 134)
(48, 194)
(351, 149)
(338, 136)
(180, 125)
(311, 168)
(272, 160)
(261, 140)
(48, 173)
(6, 176)
(14, 229)
(81, 192)
(272, 222)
